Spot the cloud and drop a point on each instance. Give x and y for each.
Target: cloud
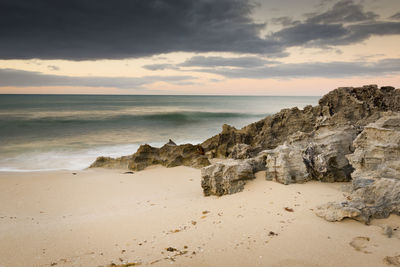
(104, 29)
(241, 62)
(343, 11)
(396, 16)
(20, 78)
(52, 67)
(344, 23)
(315, 69)
(159, 66)
(94, 29)
(284, 21)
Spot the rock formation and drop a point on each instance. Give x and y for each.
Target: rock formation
(226, 177)
(376, 178)
(343, 106)
(352, 134)
(169, 155)
(319, 155)
(309, 144)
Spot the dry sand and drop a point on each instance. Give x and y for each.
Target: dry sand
(98, 217)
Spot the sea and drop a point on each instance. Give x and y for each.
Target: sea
(68, 132)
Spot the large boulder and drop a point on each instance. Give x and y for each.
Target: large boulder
(319, 155)
(376, 200)
(376, 179)
(226, 177)
(285, 164)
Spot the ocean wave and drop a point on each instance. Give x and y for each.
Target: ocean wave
(182, 116)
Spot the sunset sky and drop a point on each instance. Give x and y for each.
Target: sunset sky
(229, 47)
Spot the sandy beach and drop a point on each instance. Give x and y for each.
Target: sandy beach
(159, 217)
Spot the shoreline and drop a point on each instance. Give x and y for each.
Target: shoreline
(99, 217)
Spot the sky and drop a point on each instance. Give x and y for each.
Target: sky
(222, 47)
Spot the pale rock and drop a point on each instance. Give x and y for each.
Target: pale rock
(226, 177)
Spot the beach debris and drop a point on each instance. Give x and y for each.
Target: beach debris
(205, 212)
(289, 209)
(170, 249)
(193, 222)
(271, 233)
(129, 172)
(74, 173)
(125, 264)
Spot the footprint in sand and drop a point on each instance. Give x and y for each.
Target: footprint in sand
(361, 243)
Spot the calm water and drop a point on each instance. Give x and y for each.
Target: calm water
(43, 132)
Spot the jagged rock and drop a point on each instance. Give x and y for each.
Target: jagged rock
(171, 143)
(376, 179)
(242, 151)
(334, 212)
(285, 165)
(346, 106)
(168, 156)
(324, 157)
(221, 145)
(226, 177)
(111, 163)
(319, 155)
(377, 149)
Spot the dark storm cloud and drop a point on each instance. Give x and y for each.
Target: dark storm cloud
(343, 11)
(317, 69)
(94, 29)
(159, 66)
(12, 77)
(320, 35)
(214, 61)
(104, 29)
(343, 24)
(284, 21)
(242, 62)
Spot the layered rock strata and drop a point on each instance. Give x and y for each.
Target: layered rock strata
(376, 178)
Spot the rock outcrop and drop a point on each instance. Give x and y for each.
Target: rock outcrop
(376, 179)
(346, 106)
(226, 177)
(319, 155)
(352, 134)
(169, 155)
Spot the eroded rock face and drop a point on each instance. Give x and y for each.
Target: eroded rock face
(377, 150)
(319, 155)
(346, 106)
(376, 179)
(226, 177)
(169, 155)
